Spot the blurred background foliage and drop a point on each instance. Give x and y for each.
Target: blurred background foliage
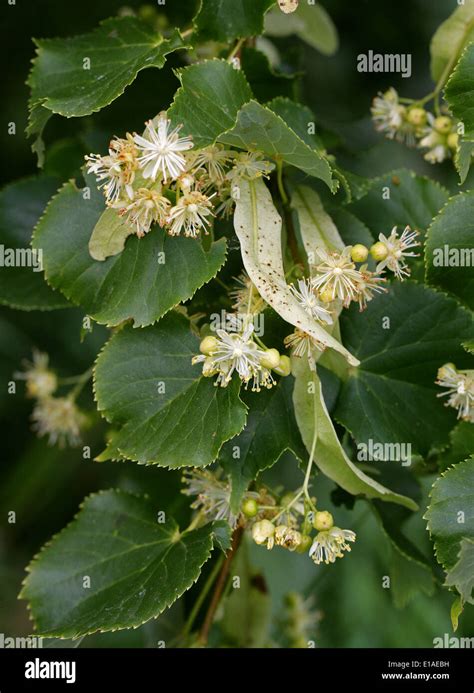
(44, 485)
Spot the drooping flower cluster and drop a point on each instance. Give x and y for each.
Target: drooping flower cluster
(459, 390)
(291, 526)
(414, 126)
(159, 178)
(235, 350)
(343, 277)
(57, 417)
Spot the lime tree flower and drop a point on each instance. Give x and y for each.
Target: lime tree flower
(368, 285)
(302, 345)
(390, 118)
(288, 537)
(331, 544)
(40, 380)
(392, 251)
(245, 296)
(147, 207)
(115, 172)
(229, 352)
(330, 541)
(191, 214)
(307, 298)
(161, 149)
(440, 138)
(60, 419)
(263, 533)
(249, 165)
(459, 390)
(214, 160)
(337, 276)
(212, 495)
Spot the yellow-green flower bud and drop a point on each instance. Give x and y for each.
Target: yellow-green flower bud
(453, 140)
(208, 345)
(271, 359)
(284, 367)
(323, 520)
(304, 544)
(416, 116)
(250, 507)
(442, 124)
(359, 252)
(379, 251)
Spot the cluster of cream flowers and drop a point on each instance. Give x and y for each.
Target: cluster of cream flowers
(57, 417)
(159, 178)
(290, 523)
(414, 126)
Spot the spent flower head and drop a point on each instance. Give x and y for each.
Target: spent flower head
(459, 390)
(60, 419)
(41, 382)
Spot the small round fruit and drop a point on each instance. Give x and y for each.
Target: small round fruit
(284, 367)
(323, 520)
(208, 345)
(416, 116)
(379, 251)
(250, 507)
(453, 140)
(443, 124)
(359, 252)
(326, 296)
(271, 359)
(304, 544)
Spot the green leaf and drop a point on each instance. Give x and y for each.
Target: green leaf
(260, 129)
(222, 534)
(258, 228)
(450, 514)
(410, 572)
(400, 198)
(450, 39)
(351, 229)
(402, 339)
(459, 94)
(117, 50)
(167, 412)
(270, 431)
(136, 567)
(109, 235)
(408, 579)
(226, 20)
(207, 103)
(299, 118)
(264, 81)
(146, 280)
(462, 445)
(449, 252)
(310, 22)
(21, 205)
(461, 575)
(457, 607)
(317, 430)
(316, 226)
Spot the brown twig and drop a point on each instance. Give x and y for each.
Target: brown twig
(219, 586)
